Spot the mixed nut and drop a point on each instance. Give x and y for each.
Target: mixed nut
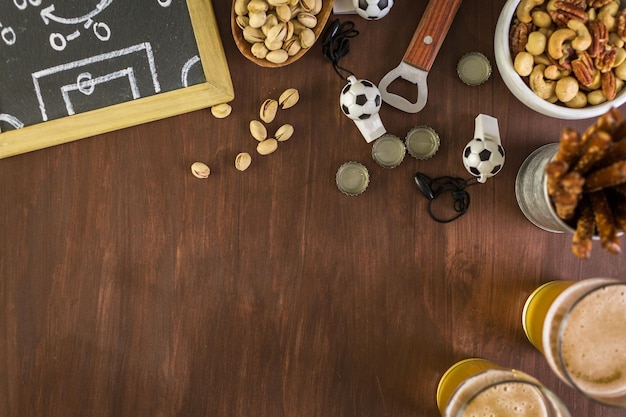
(277, 29)
(570, 51)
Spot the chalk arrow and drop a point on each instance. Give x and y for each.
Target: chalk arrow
(47, 14)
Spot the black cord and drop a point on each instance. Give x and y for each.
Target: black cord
(336, 43)
(434, 187)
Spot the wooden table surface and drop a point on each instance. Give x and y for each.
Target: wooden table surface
(128, 287)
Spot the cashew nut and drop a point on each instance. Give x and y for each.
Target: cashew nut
(556, 41)
(523, 63)
(552, 72)
(542, 59)
(615, 40)
(536, 44)
(566, 88)
(607, 15)
(620, 57)
(542, 87)
(582, 41)
(620, 71)
(523, 9)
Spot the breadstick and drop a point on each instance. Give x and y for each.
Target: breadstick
(581, 242)
(593, 150)
(604, 222)
(610, 176)
(569, 147)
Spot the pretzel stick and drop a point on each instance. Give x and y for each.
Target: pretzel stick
(619, 214)
(554, 172)
(614, 174)
(621, 189)
(569, 147)
(616, 152)
(569, 193)
(608, 122)
(593, 150)
(604, 222)
(581, 242)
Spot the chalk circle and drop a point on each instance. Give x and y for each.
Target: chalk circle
(165, 3)
(102, 31)
(57, 41)
(8, 36)
(85, 83)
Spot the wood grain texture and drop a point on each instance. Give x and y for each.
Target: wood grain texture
(430, 33)
(128, 287)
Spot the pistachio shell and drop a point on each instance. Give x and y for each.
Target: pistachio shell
(289, 98)
(221, 111)
(258, 6)
(307, 38)
(243, 161)
(259, 50)
(278, 56)
(257, 19)
(258, 130)
(307, 19)
(267, 146)
(268, 110)
(253, 35)
(284, 132)
(200, 170)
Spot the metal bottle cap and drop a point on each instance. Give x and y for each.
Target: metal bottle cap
(422, 142)
(388, 151)
(473, 68)
(352, 178)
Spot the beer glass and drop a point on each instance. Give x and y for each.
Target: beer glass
(477, 387)
(580, 327)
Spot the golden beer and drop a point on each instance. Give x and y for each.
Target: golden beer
(580, 327)
(476, 387)
(536, 308)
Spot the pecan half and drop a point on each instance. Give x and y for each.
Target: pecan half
(583, 68)
(606, 58)
(564, 11)
(519, 37)
(599, 37)
(609, 86)
(621, 25)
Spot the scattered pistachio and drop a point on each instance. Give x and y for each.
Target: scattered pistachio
(289, 98)
(258, 130)
(243, 161)
(269, 106)
(221, 111)
(200, 170)
(267, 146)
(284, 132)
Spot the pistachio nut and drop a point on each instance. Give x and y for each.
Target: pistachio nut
(277, 33)
(318, 7)
(267, 146)
(307, 19)
(283, 12)
(258, 6)
(241, 7)
(277, 3)
(288, 98)
(242, 22)
(284, 132)
(258, 130)
(253, 35)
(243, 161)
(259, 50)
(273, 46)
(307, 5)
(221, 111)
(278, 56)
(200, 170)
(292, 46)
(257, 19)
(268, 110)
(307, 38)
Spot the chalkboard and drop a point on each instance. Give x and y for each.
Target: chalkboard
(73, 69)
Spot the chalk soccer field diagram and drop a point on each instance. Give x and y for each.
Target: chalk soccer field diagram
(128, 61)
(85, 83)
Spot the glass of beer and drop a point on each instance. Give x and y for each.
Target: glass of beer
(580, 327)
(476, 387)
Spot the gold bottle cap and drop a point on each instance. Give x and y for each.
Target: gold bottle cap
(474, 68)
(352, 178)
(388, 151)
(422, 142)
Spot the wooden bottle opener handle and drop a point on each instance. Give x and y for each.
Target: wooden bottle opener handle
(430, 33)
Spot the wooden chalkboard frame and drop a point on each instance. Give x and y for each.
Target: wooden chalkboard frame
(217, 89)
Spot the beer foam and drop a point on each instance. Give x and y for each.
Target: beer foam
(510, 399)
(593, 345)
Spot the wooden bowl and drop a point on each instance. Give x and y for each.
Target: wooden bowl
(244, 46)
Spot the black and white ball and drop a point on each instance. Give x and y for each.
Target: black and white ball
(372, 9)
(483, 157)
(360, 99)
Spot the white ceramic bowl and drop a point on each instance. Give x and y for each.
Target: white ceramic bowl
(523, 93)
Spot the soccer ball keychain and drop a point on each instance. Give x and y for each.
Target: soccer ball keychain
(360, 100)
(483, 157)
